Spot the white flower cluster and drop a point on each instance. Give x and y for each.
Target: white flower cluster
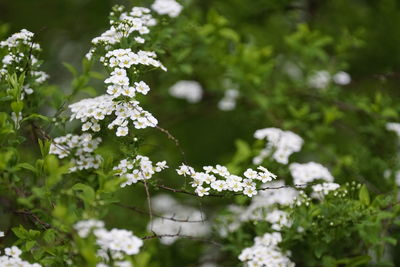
(81, 147)
(121, 88)
(138, 169)
(115, 242)
(278, 219)
(266, 252)
(118, 240)
(12, 258)
(123, 59)
(91, 111)
(228, 102)
(308, 172)
(189, 90)
(342, 78)
(20, 52)
(24, 37)
(321, 79)
(85, 228)
(167, 7)
(187, 220)
(138, 20)
(321, 190)
(204, 181)
(281, 144)
(393, 126)
(265, 206)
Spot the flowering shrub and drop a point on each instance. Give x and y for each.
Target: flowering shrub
(277, 156)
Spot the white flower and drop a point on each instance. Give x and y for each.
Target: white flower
(12, 259)
(265, 252)
(122, 131)
(320, 190)
(265, 175)
(251, 174)
(201, 191)
(228, 102)
(80, 147)
(393, 126)
(138, 169)
(17, 58)
(140, 40)
(204, 181)
(319, 80)
(189, 90)
(92, 110)
(86, 126)
(13, 252)
(250, 191)
(185, 170)
(342, 78)
(308, 172)
(136, 22)
(219, 185)
(167, 7)
(1, 234)
(281, 144)
(84, 228)
(278, 219)
(142, 87)
(116, 242)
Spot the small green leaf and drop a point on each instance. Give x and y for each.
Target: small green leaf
(71, 69)
(20, 232)
(88, 195)
(17, 106)
(29, 245)
(26, 166)
(363, 195)
(36, 116)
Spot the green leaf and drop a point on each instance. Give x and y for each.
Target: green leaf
(71, 68)
(17, 106)
(390, 240)
(243, 152)
(49, 236)
(44, 146)
(29, 245)
(26, 166)
(363, 195)
(88, 195)
(20, 232)
(6, 98)
(36, 116)
(356, 261)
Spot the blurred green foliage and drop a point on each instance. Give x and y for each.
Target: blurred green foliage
(220, 44)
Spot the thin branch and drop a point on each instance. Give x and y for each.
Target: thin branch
(34, 218)
(149, 204)
(175, 140)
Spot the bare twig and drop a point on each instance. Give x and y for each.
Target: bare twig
(34, 218)
(149, 204)
(175, 140)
